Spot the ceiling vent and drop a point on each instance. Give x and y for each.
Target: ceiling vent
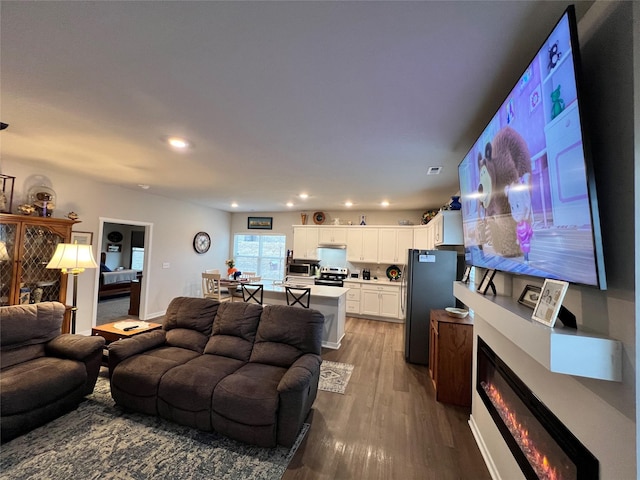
(434, 170)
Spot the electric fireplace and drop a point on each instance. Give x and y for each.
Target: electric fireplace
(541, 444)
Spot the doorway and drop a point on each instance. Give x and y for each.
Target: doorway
(124, 251)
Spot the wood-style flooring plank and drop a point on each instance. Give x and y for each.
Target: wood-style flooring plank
(387, 425)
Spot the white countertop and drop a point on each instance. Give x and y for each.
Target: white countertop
(316, 290)
(380, 281)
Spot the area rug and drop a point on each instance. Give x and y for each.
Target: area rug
(334, 376)
(101, 441)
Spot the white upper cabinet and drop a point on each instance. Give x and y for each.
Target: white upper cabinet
(332, 235)
(447, 226)
(305, 242)
(394, 244)
(362, 244)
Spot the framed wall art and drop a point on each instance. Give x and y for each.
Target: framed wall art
(114, 248)
(529, 296)
(549, 302)
(487, 282)
(259, 223)
(82, 238)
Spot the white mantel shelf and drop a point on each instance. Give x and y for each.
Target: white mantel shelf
(559, 349)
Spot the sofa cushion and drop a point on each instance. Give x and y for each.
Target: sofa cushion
(135, 381)
(14, 356)
(250, 395)
(191, 313)
(30, 324)
(234, 330)
(185, 338)
(198, 377)
(38, 382)
(286, 333)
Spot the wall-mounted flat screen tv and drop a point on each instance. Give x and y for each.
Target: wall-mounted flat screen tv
(527, 189)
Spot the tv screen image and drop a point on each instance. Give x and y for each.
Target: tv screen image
(527, 192)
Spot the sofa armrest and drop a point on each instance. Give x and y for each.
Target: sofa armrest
(74, 347)
(127, 347)
(299, 375)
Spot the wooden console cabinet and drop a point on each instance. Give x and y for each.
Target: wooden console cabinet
(450, 357)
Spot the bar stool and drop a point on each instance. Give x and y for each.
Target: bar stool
(252, 292)
(298, 295)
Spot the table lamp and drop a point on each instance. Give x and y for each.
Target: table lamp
(73, 258)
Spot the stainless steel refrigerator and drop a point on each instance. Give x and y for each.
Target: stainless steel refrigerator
(428, 284)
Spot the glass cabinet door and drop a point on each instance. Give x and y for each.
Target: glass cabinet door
(37, 283)
(8, 234)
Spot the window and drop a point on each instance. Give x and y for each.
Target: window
(263, 254)
(137, 258)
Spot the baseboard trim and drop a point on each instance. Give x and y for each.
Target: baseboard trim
(493, 471)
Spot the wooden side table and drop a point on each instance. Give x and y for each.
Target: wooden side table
(110, 333)
(450, 357)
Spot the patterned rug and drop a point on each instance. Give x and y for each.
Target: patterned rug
(334, 376)
(100, 441)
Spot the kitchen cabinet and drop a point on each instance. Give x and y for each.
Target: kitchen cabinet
(332, 235)
(393, 244)
(380, 300)
(362, 244)
(30, 243)
(421, 240)
(447, 228)
(353, 297)
(305, 242)
(450, 357)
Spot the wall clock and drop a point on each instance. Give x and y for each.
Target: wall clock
(318, 218)
(114, 237)
(201, 242)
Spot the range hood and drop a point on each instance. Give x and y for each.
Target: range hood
(338, 246)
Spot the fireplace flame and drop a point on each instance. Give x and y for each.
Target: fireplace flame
(544, 470)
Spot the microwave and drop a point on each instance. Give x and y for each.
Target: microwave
(301, 269)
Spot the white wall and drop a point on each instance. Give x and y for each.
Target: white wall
(174, 225)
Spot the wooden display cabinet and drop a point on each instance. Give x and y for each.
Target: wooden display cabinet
(29, 243)
(450, 357)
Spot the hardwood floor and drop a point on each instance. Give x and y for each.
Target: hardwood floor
(387, 425)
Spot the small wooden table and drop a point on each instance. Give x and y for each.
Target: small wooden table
(110, 333)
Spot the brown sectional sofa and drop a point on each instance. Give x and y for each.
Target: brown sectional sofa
(248, 372)
(43, 374)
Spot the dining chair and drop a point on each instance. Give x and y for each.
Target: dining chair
(252, 292)
(211, 287)
(298, 295)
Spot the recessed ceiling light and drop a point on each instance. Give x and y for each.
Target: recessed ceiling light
(348, 204)
(179, 143)
(434, 170)
(234, 205)
(304, 195)
(384, 203)
(289, 204)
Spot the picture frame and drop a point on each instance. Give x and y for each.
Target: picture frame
(529, 296)
(259, 223)
(82, 238)
(548, 305)
(114, 248)
(487, 282)
(466, 274)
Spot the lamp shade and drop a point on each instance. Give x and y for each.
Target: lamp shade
(72, 257)
(4, 254)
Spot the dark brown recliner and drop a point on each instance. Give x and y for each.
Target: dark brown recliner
(246, 371)
(43, 374)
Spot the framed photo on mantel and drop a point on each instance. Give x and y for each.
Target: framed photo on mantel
(549, 302)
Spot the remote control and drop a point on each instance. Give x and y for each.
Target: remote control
(130, 328)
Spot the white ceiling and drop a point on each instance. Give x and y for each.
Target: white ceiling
(343, 100)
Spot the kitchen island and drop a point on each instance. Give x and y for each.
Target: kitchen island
(330, 301)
